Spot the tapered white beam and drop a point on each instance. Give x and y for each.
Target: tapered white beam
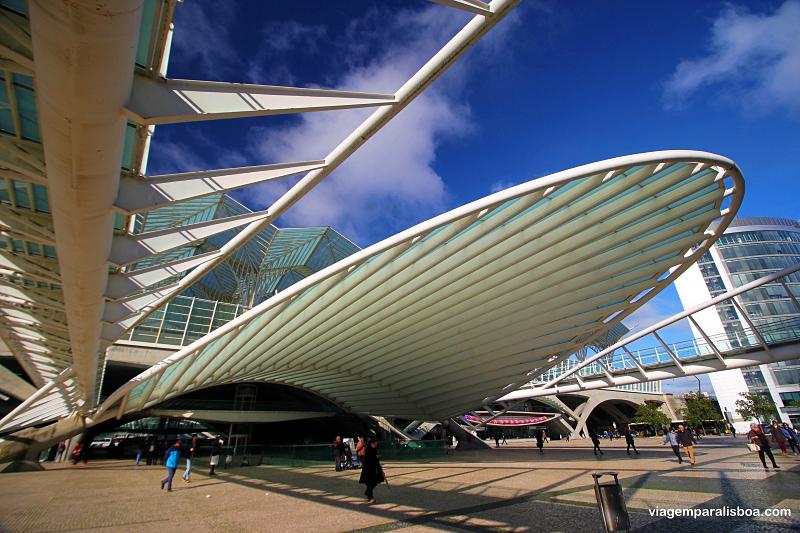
(125, 307)
(454, 49)
(35, 397)
(28, 315)
(473, 6)
(40, 267)
(249, 354)
(138, 194)
(16, 163)
(13, 385)
(123, 285)
(16, 220)
(13, 295)
(34, 323)
(127, 249)
(166, 101)
(17, 58)
(709, 342)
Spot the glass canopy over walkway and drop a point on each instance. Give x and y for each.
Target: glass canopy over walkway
(90, 245)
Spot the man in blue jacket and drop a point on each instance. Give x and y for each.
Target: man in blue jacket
(171, 459)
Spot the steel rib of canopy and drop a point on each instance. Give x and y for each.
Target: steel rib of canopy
(435, 320)
(33, 313)
(119, 95)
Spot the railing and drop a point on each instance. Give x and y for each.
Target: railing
(621, 365)
(787, 330)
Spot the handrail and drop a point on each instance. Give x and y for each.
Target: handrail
(675, 318)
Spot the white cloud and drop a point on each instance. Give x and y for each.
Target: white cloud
(390, 182)
(753, 60)
(662, 306)
(204, 38)
(278, 39)
(501, 185)
(187, 150)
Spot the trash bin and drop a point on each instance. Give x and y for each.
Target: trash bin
(611, 503)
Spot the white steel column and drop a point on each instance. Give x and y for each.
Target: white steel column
(85, 53)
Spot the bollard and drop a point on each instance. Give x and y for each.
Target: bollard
(611, 503)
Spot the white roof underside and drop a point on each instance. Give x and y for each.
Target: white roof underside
(435, 320)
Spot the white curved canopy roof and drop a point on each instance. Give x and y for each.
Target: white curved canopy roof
(72, 243)
(450, 313)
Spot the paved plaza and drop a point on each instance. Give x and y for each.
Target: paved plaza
(507, 489)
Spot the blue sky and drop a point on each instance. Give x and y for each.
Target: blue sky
(554, 86)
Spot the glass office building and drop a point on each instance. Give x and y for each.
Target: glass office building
(750, 249)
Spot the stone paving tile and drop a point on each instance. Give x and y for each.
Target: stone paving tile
(510, 489)
(646, 498)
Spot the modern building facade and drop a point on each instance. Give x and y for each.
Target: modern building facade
(749, 249)
(429, 323)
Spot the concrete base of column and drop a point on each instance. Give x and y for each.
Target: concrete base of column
(20, 466)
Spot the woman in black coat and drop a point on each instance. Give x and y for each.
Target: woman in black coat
(371, 471)
(757, 437)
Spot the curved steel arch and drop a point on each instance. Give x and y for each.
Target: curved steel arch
(430, 322)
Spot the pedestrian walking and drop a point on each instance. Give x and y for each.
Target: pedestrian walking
(338, 453)
(62, 447)
(759, 439)
(78, 454)
(189, 458)
(503, 439)
(371, 471)
(629, 441)
(791, 438)
(671, 438)
(214, 461)
(496, 440)
(686, 440)
(540, 440)
(776, 432)
(172, 458)
(151, 452)
(361, 445)
(596, 441)
(162, 449)
(348, 455)
(138, 453)
(733, 431)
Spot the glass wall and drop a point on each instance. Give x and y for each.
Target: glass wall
(183, 321)
(748, 254)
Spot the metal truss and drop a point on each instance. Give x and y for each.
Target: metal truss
(32, 319)
(757, 343)
(426, 323)
(103, 99)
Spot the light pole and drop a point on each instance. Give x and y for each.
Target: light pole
(699, 391)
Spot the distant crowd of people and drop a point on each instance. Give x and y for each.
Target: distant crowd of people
(779, 434)
(362, 452)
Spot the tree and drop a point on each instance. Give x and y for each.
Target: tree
(649, 413)
(699, 408)
(755, 406)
